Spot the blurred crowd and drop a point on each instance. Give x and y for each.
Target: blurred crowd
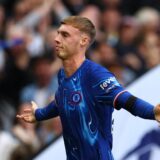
(127, 43)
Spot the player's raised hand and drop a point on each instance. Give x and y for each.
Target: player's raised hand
(28, 114)
(157, 112)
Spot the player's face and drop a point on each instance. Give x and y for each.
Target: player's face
(67, 41)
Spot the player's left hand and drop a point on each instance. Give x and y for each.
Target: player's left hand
(157, 112)
(28, 114)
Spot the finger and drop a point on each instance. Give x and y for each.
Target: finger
(25, 118)
(19, 116)
(28, 119)
(34, 105)
(22, 116)
(28, 110)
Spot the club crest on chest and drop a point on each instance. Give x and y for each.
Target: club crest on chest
(75, 98)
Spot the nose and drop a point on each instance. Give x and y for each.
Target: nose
(57, 39)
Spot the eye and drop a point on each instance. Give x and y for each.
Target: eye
(65, 34)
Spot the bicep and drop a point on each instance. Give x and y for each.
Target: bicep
(105, 88)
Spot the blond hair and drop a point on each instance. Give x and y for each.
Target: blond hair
(83, 24)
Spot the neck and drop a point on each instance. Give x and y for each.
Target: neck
(71, 65)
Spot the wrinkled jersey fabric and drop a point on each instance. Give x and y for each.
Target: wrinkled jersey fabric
(84, 102)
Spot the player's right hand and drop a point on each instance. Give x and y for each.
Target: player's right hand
(157, 112)
(28, 114)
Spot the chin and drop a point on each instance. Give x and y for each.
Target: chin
(62, 55)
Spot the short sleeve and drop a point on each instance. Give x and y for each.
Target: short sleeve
(105, 87)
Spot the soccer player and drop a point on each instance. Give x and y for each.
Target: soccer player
(86, 97)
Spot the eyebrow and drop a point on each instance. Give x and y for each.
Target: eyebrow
(63, 32)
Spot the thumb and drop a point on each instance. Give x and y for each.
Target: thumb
(34, 105)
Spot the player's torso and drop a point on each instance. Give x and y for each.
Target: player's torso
(75, 108)
(81, 129)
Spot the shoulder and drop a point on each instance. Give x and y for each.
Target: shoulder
(97, 72)
(97, 75)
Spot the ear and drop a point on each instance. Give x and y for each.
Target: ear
(84, 40)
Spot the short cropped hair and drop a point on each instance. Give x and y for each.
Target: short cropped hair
(83, 24)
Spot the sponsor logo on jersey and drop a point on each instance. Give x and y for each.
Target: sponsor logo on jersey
(108, 81)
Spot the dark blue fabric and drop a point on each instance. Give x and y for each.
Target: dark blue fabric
(86, 118)
(139, 108)
(85, 102)
(47, 112)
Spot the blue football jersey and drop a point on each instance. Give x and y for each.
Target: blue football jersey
(85, 102)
